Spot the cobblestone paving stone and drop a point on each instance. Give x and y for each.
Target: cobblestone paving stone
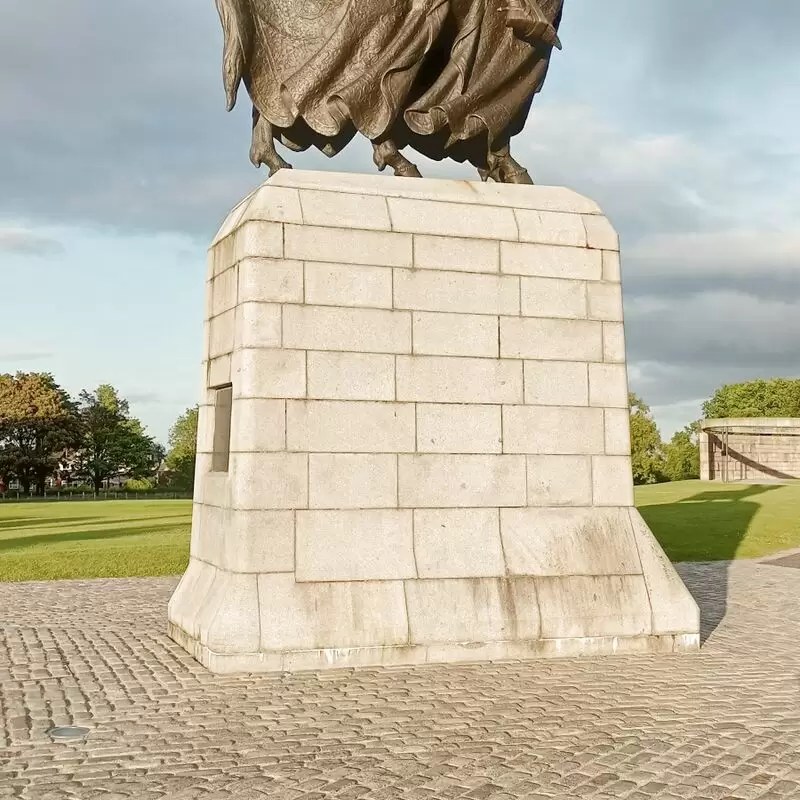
(724, 723)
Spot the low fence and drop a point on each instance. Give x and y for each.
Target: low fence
(21, 497)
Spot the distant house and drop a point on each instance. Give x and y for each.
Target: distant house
(757, 449)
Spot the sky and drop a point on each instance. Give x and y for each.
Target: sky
(118, 163)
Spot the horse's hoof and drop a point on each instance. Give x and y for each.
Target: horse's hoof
(277, 169)
(407, 171)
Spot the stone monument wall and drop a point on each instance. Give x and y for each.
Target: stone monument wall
(414, 439)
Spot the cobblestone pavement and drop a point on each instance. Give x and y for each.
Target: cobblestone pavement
(721, 724)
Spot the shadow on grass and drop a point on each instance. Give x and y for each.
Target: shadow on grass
(14, 523)
(22, 543)
(86, 522)
(707, 527)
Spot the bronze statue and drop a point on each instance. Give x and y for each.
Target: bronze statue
(449, 78)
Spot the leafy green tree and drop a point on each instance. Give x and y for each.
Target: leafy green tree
(647, 450)
(114, 444)
(38, 423)
(682, 461)
(182, 453)
(777, 397)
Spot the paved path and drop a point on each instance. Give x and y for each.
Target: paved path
(721, 724)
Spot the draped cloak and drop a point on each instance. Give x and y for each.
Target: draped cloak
(448, 77)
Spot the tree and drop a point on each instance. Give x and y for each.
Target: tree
(38, 423)
(682, 462)
(777, 397)
(647, 451)
(183, 449)
(113, 444)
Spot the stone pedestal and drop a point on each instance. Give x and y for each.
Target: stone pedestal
(414, 442)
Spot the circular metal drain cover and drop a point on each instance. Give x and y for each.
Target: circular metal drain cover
(68, 734)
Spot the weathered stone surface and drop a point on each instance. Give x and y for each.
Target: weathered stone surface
(674, 609)
(458, 543)
(569, 541)
(426, 457)
(354, 545)
(346, 480)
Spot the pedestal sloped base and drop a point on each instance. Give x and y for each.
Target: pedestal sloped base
(245, 622)
(414, 441)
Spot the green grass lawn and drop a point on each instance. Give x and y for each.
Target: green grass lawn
(694, 521)
(697, 521)
(93, 539)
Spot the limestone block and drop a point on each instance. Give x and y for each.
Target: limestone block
(605, 301)
(373, 183)
(452, 219)
(275, 204)
(556, 383)
(613, 343)
(345, 210)
(455, 334)
(353, 657)
(364, 330)
(608, 385)
(223, 292)
(456, 255)
(552, 430)
(269, 480)
(354, 545)
(345, 480)
(193, 587)
(617, 431)
(258, 325)
(472, 610)
(549, 261)
(269, 374)
(210, 487)
(257, 541)
(448, 428)
(265, 280)
(458, 543)
(600, 234)
(612, 481)
(308, 616)
(569, 541)
(431, 379)
(350, 376)
(550, 227)
(229, 618)
(456, 292)
(551, 339)
(612, 270)
(206, 544)
(674, 608)
(552, 297)
(221, 334)
(205, 429)
(219, 371)
(538, 198)
(322, 426)
(461, 481)
(378, 248)
(345, 285)
(258, 240)
(580, 606)
(258, 425)
(559, 481)
(232, 221)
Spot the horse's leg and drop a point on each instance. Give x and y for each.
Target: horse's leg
(502, 168)
(262, 148)
(385, 153)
